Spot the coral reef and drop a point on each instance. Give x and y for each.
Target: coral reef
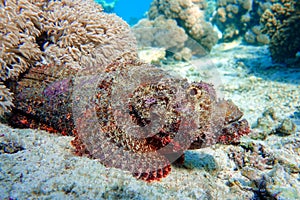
(254, 35)
(261, 22)
(6, 98)
(281, 24)
(35, 33)
(276, 14)
(161, 32)
(240, 19)
(232, 17)
(87, 82)
(190, 16)
(17, 51)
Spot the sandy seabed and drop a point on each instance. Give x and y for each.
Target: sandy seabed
(37, 165)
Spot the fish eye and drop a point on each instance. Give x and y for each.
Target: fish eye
(193, 92)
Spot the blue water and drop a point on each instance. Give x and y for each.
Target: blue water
(130, 10)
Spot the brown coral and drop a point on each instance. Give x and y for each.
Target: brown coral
(160, 32)
(274, 17)
(5, 99)
(17, 48)
(62, 33)
(233, 18)
(285, 43)
(281, 23)
(237, 19)
(190, 16)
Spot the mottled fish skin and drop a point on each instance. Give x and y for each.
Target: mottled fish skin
(44, 99)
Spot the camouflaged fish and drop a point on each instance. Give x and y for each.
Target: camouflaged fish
(131, 116)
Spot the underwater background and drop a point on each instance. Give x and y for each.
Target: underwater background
(241, 58)
(131, 11)
(254, 22)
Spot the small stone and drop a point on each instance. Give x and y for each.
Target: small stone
(281, 184)
(10, 147)
(287, 127)
(251, 173)
(268, 122)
